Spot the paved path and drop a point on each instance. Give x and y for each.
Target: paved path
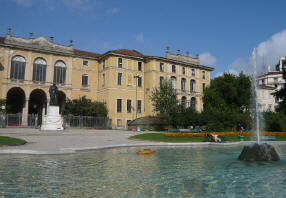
(72, 140)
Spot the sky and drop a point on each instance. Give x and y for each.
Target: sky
(223, 32)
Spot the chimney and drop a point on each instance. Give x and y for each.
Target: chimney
(9, 32)
(71, 43)
(31, 35)
(167, 51)
(188, 53)
(178, 52)
(51, 38)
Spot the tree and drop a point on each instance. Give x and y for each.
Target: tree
(227, 102)
(85, 107)
(281, 94)
(165, 102)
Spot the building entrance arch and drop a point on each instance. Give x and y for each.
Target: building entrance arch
(37, 106)
(15, 100)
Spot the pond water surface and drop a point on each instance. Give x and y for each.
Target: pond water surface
(198, 171)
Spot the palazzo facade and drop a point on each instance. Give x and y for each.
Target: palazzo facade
(29, 66)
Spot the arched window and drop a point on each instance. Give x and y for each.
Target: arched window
(174, 82)
(193, 86)
(18, 65)
(39, 70)
(183, 101)
(183, 84)
(60, 72)
(193, 103)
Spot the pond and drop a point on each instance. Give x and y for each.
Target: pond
(197, 171)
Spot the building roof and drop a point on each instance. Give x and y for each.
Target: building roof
(265, 87)
(85, 53)
(127, 52)
(269, 73)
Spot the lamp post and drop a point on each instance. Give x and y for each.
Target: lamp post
(136, 77)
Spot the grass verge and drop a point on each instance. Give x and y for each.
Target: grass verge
(159, 137)
(8, 141)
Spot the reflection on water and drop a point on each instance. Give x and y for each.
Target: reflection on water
(171, 172)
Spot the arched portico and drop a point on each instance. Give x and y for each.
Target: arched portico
(37, 106)
(15, 100)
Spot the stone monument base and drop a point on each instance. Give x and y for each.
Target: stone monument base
(259, 152)
(53, 120)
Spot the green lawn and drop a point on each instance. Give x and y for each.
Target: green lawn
(159, 137)
(8, 141)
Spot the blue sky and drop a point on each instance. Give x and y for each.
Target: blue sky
(223, 32)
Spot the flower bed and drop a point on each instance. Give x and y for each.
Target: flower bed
(230, 133)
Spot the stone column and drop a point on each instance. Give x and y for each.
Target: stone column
(25, 112)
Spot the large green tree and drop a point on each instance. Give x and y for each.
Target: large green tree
(85, 107)
(227, 102)
(165, 102)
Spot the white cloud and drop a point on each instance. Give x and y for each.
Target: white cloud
(24, 3)
(269, 51)
(113, 11)
(139, 37)
(207, 59)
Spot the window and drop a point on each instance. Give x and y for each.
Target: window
(139, 81)
(183, 101)
(119, 122)
(103, 64)
(103, 80)
(119, 105)
(173, 82)
(120, 62)
(193, 85)
(161, 80)
(84, 80)
(85, 63)
(203, 74)
(139, 106)
(127, 122)
(139, 66)
(119, 79)
(60, 72)
(174, 68)
(204, 86)
(269, 107)
(193, 72)
(184, 70)
(275, 80)
(18, 65)
(263, 81)
(183, 84)
(193, 103)
(39, 70)
(129, 107)
(262, 94)
(269, 95)
(161, 67)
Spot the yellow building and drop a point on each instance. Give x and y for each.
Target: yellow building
(29, 66)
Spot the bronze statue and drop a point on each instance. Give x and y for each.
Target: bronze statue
(53, 95)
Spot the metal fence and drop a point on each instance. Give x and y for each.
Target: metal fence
(69, 121)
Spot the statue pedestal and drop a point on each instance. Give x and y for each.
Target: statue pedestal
(53, 120)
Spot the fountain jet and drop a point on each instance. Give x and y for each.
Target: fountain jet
(257, 151)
